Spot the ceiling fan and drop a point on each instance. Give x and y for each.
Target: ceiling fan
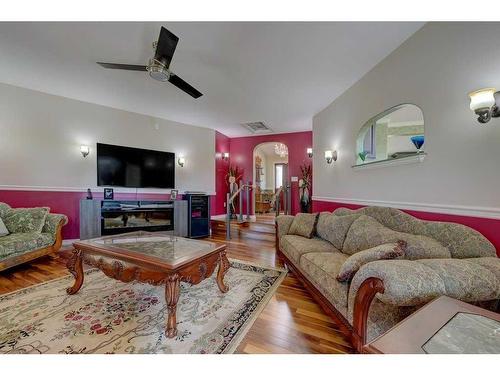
(158, 65)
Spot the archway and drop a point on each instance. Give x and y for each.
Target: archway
(270, 175)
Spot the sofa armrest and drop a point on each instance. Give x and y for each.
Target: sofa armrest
(406, 282)
(53, 225)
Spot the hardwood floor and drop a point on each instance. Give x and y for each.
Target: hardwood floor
(291, 322)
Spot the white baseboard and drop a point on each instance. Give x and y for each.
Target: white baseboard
(473, 211)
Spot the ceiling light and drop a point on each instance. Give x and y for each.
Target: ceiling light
(158, 71)
(281, 150)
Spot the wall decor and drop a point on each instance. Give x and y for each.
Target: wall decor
(108, 193)
(394, 134)
(173, 194)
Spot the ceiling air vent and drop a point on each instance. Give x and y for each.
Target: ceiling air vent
(257, 127)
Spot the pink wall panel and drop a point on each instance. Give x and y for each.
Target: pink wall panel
(67, 203)
(490, 228)
(242, 155)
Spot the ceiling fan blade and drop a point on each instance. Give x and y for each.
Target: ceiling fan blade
(184, 86)
(141, 68)
(165, 48)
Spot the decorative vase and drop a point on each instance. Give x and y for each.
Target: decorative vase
(362, 156)
(418, 141)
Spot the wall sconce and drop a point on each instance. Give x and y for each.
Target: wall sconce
(330, 156)
(225, 156)
(310, 152)
(85, 150)
(181, 161)
(483, 103)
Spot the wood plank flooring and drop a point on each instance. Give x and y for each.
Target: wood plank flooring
(291, 322)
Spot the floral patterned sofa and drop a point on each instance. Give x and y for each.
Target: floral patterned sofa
(372, 267)
(32, 233)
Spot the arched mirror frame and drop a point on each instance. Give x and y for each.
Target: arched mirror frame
(368, 125)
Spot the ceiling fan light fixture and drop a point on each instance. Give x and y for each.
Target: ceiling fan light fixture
(157, 71)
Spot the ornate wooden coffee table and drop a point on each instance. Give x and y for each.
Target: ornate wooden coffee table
(154, 259)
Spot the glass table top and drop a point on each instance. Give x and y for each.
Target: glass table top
(466, 333)
(169, 249)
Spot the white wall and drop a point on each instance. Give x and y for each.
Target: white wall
(434, 69)
(40, 137)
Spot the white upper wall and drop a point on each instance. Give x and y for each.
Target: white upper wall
(40, 137)
(434, 69)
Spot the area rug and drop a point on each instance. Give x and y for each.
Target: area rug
(108, 316)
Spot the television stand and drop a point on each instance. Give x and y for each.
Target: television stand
(106, 217)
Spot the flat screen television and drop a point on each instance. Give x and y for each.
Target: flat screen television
(134, 167)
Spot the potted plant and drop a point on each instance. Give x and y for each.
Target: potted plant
(305, 188)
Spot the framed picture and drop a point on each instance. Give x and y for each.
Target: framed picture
(108, 193)
(173, 194)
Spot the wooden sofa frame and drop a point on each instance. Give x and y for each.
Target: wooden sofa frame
(29, 256)
(357, 332)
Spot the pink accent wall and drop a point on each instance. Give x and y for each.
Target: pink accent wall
(241, 154)
(66, 202)
(222, 144)
(490, 228)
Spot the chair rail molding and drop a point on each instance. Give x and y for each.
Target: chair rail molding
(95, 189)
(473, 211)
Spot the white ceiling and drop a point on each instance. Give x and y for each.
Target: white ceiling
(279, 73)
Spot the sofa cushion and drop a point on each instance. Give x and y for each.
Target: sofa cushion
(334, 228)
(355, 261)
(366, 232)
(4, 207)
(26, 220)
(3, 229)
(303, 225)
(321, 269)
(295, 246)
(460, 240)
(19, 243)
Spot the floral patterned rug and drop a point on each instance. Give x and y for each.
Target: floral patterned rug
(108, 316)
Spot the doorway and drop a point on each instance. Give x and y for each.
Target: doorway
(270, 179)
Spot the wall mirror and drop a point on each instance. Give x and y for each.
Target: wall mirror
(393, 135)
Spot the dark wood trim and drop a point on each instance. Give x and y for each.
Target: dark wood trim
(366, 293)
(357, 332)
(31, 255)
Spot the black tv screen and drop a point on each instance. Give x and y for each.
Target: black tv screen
(134, 167)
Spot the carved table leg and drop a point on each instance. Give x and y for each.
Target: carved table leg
(172, 291)
(75, 266)
(223, 267)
